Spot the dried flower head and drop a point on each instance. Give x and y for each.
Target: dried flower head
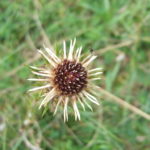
(68, 80)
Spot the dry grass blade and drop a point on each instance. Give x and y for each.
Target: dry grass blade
(124, 104)
(111, 47)
(14, 71)
(74, 135)
(29, 145)
(46, 40)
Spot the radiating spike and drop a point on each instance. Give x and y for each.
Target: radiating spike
(90, 97)
(81, 104)
(95, 74)
(88, 105)
(48, 97)
(76, 110)
(65, 110)
(36, 68)
(45, 71)
(40, 87)
(48, 59)
(89, 61)
(41, 74)
(72, 44)
(79, 54)
(52, 54)
(64, 49)
(93, 79)
(75, 113)
(34, 79)
(82, 97)
(59, 101)
(86, 59)
(95, 69)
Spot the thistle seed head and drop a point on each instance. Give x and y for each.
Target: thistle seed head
(68, 81)
(70, 77)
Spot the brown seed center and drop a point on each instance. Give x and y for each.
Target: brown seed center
(70, 77)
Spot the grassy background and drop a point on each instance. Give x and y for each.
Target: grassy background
(114, 29)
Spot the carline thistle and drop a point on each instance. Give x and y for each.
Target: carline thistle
(68, 80)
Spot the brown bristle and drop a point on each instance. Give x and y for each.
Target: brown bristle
(70, 77)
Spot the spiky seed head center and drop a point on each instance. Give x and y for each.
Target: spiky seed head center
(70, 77)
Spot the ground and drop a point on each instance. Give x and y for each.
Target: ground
(118, 31)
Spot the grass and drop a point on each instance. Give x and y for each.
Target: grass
(100, 24)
